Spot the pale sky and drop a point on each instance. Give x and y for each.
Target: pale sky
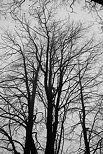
(79, 14)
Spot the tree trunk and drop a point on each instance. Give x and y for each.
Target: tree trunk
(83, 123)
(29, 143)
(49, 144)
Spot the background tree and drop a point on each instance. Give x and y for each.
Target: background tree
(89, 96)
(84, 130)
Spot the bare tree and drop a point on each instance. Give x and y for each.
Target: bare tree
(18, 89)
(89, 79)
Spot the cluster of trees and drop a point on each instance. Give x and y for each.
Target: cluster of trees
(51, 97)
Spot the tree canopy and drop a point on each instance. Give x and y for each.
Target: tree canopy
(51, 99)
